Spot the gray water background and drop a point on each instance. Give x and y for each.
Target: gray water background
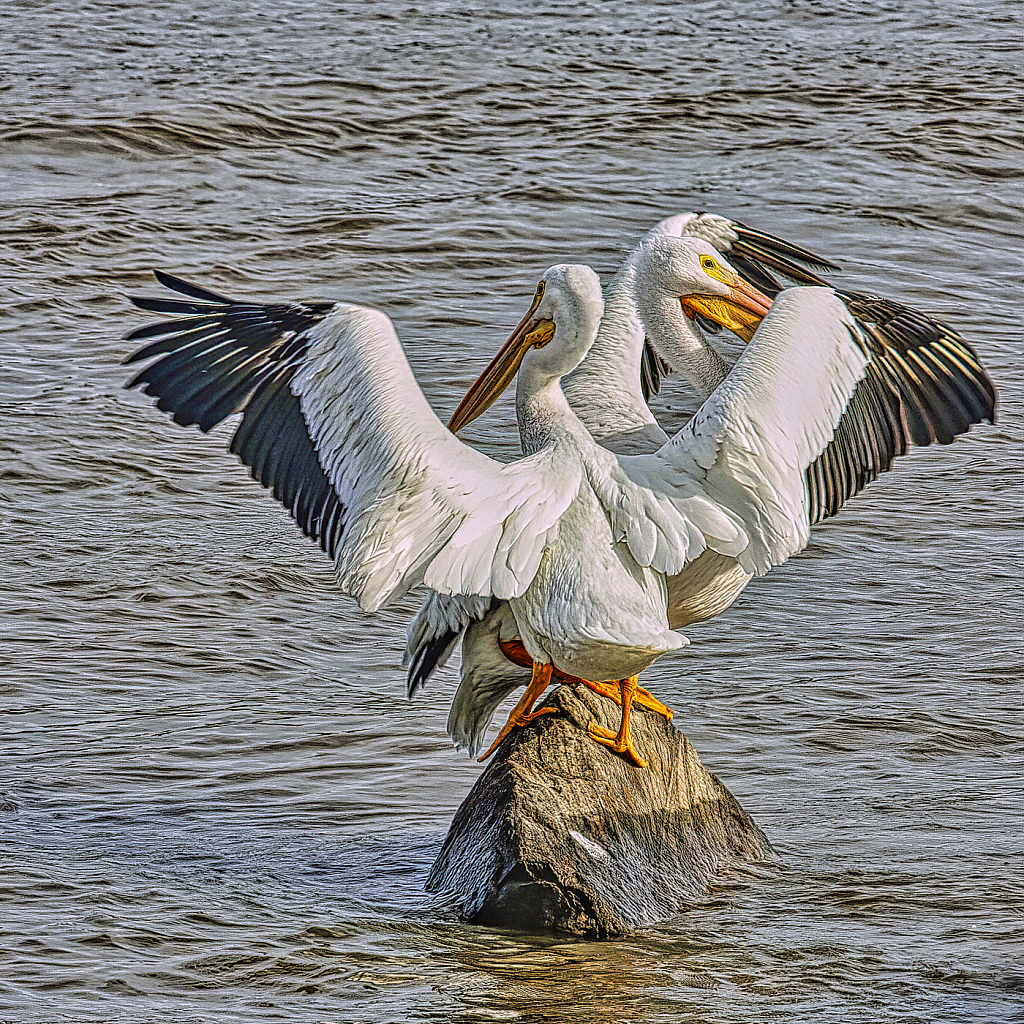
(216, 803)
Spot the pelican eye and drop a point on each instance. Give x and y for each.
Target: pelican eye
(708, 263)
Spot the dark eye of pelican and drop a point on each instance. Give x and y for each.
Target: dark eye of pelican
(707, 263)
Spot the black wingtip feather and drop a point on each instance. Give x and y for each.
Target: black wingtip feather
(178, 307)
(755, 274)
(783, 250)
(923, 385)
(176, 284)
(425, 660)
(652, 370)
(222, 357)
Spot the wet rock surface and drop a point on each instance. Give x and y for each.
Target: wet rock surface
(559, 834)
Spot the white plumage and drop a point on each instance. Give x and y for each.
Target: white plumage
(606, 391)
(581, 544)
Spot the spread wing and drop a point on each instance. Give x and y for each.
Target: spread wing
(334, 423)
(923, 384)
(816, 407)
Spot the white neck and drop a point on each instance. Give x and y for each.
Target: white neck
(604, 390)
(543, 412)
(678, 340)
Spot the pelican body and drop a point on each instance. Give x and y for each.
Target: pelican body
(591, 609)
(608, 391)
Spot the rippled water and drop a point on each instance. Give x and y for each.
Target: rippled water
(216, 803)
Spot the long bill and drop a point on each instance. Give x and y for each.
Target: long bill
(532, 331)
(741, 311)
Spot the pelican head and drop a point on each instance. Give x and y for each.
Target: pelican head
(700, 277)
(552, 339)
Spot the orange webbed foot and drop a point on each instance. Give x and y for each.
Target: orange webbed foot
(611, 739)
(647, 700)
(620, 742)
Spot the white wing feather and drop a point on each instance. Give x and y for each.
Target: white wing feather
(421, 505)
(749, 444)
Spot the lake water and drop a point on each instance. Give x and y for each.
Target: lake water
(216, 802)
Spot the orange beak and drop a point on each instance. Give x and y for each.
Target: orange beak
(532, 332)
(741, 311)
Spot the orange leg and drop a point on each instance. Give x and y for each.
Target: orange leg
(523, 712)
(620, 742)
(646, 699)
(517, 654)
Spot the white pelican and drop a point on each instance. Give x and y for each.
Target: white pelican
(578, 541)
(925, 385)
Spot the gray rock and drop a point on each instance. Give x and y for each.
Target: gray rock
(559, 834)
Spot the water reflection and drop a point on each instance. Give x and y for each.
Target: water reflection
(561, 982)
